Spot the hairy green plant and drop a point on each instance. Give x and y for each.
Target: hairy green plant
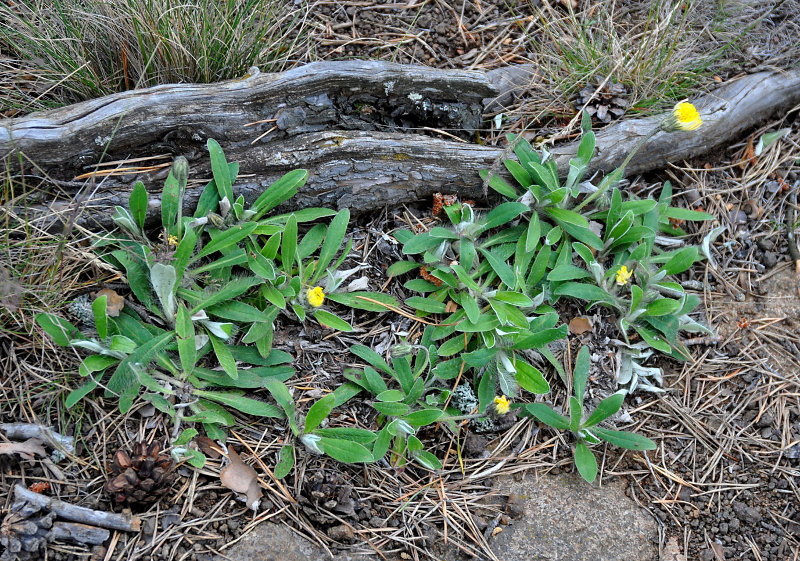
(200, 287)
(586, 429)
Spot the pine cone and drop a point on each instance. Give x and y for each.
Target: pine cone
(141, 477)
(607, 104)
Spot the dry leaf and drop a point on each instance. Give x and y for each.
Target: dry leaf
(241, 478)
(27, 449)
(578, 325)
(114, 302)
(496, 531)
(210, 448)
(450, 307)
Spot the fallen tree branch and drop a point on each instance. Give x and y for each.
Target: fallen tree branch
(361, 169)
(67, 511)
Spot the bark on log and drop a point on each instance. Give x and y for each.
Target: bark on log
(377, 161)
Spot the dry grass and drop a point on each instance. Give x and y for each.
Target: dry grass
(68, 51)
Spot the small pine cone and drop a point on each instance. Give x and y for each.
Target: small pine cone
(606, 103)
(142, 476)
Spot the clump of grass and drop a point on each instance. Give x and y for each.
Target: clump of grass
(650, 49)
(54, 52)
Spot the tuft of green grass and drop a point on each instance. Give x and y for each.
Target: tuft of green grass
(652, 49)
(54, 52)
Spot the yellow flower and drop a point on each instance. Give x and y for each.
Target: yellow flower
(315, 296)
(172, 240)
(684, 118)
(623, 275)
(501, 404)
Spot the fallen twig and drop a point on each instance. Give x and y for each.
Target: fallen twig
(103, 519)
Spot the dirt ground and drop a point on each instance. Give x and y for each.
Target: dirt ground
(724, 480)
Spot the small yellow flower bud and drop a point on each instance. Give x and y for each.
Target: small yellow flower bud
(501, 404)
(623, 276)
(315, 296)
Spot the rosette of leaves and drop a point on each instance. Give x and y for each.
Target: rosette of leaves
(496, 285)
(551, 204)
(408, 395)
(586, 429)
(290, 265)
(193, 290)
(651, 304)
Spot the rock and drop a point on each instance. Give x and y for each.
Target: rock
(570, 520)
(276, 542)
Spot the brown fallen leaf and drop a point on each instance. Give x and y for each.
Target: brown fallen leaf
(114, 302)
(27, 449)
(241, 478)
(210, 448)
(578, 325)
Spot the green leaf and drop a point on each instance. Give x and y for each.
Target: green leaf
(681, 261)
(185, 436)
(653, 339)
(220, 170)
(361, 300)
(546, 415)
(530, 378)
(518, 172)
(499, 184)
(333, 240)
(225, 239)
(625, 439)
(96, 363)
(124, 377)
(282, 190)
(231, 290)
(317, 413)
(184, 251)
(224, 356)
(241, 403)
(503, 270)
(58, 328)
(502, 214)
(285, 462)
(372, 358)
(289, 244)
(237, 256)
(345, 451)
(328, 319)
(401, 267)
(470, 306)
(686, 214)
(137, 203)
(187, 348)
(662, 307)
(170, 202)
(605, 409)
(585, 461)
(580, 373)
(390, 395)
(234, 310)
(426, 304)
(209, 200)
(354, 434)
(588, 292)
(423, 417)
(533, 233)
(100, 317)
(81, 391)
(391, 408)
(568, 271)
(426, 460)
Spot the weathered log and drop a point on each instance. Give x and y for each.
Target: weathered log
(356, 168)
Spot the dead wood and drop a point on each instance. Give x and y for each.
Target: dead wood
(67, 511)
(354, 125)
